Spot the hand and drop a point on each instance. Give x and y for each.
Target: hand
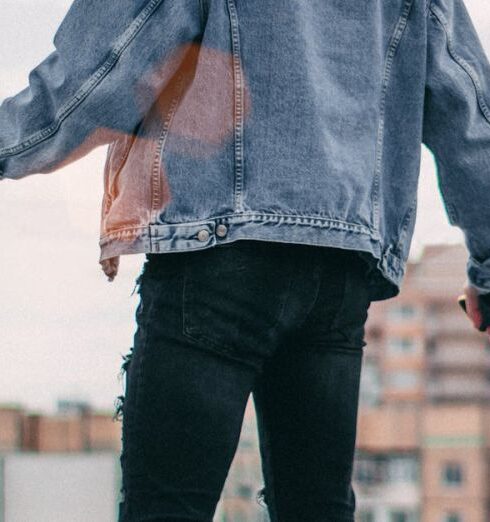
(472, 306)
(110, 267)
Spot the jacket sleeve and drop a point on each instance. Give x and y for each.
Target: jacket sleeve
(456, 128)
(111, 60)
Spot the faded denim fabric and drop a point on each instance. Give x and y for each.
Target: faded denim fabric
(297, 122)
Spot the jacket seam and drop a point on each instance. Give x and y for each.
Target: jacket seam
(298, 219)
(465, 66)
(116, 233)
(105, 196)
(202, 10)
(238, 105)
(156, 169)
(125, 152)
(88, 86)
(405, 223)
(428, 5)
(390, 53)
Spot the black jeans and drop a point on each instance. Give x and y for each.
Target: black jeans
(282, 321)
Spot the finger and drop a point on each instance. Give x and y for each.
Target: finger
(109, 267)
(473, 310)
(475, 317)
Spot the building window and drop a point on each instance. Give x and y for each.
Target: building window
(398, 345)
(403, 379)
(452, 474)
(369, 470)
(366, 472)
(453, 517)
(402, 312)
(402, 469)
(370, 384)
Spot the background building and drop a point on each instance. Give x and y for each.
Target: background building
(423, 428)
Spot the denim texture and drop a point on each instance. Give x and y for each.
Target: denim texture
(282, 322)
(296, 122)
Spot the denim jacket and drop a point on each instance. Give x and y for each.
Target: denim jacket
(294, 121)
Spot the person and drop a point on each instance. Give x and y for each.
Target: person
(264, 157)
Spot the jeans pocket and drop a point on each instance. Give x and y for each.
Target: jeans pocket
(232, 300)
(349, 324)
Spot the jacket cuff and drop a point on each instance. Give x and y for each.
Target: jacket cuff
(479, 274)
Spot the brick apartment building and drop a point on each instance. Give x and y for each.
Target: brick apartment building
(70, 430)
(424, 421)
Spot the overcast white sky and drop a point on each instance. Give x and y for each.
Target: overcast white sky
(63, 327)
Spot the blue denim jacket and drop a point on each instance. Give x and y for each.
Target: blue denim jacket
(297, 122)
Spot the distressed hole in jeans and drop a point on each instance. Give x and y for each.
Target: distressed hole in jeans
(119, 401)
(137, 283)
(262, 497)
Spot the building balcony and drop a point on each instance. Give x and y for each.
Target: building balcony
(460, 388)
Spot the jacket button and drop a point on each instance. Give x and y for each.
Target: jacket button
(203, 235)
(221, 230)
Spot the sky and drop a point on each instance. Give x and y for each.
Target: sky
(63, 326)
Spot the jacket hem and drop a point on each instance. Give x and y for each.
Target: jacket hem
(384, 269)
(478, 274)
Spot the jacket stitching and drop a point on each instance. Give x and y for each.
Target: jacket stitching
(121, 233)
(238, 105)
(106, 200)
(439, 16)
(156, 170)
(125, 230)
(89, 85)
(291, 218)
(390, 53)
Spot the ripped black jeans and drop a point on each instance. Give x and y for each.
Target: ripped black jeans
(282, 321)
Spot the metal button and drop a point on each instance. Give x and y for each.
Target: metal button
(203, 235)
(221, 230)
